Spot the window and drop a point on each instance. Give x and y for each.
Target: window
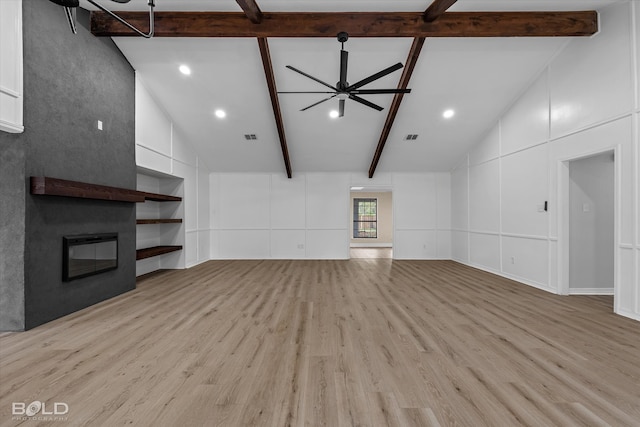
(365, 218)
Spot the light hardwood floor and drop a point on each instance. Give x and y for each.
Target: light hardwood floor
(370, 342)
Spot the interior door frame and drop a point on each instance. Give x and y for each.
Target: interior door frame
(564, 218)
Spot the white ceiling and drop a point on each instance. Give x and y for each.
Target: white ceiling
(479, 78)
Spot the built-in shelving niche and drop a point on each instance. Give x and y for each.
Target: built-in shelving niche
(164, 233)
(160, 230)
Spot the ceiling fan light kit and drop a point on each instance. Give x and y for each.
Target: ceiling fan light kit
(71, 5)
(343, 90)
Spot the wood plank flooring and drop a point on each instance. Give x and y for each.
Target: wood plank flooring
(363, 342)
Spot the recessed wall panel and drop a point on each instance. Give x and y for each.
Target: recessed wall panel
(204, 246)
(524, 192)
(288, 202)
(327, 201)
(527, 122)
(203, 199)
(327, 244)
(526, 259)
(443, 194)
(288, 244)
(244, 201)
(243, 244)
(153, 127)
(415, 201)
(484, 251)
(488, 148)
(460, 198)
(190, 195)
(415, 244)
(460, 246)
(627, 293)
(181, 150)
(443, 240)
(190, 248)
(484, 197)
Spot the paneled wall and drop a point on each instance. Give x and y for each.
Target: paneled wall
(265, 216)
(585, 102)
(11, 68)
(161, 147)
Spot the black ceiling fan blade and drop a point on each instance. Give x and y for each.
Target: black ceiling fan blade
(341, 108)
(378, 91)
(319, 102)
(365, 102)
(375, 76)
(311, 77)
(306, 92)
(344, 58)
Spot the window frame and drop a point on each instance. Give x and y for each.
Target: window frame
(357, 219)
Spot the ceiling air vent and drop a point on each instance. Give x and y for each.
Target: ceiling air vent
(250, 136)
(411, 137)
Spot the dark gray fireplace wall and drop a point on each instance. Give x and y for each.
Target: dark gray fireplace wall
(12, 233)
(71, 82)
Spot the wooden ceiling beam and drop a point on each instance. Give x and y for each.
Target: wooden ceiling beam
(357, 24)
(436, 9)
(251, 10)
(273, 94)
(412, 60)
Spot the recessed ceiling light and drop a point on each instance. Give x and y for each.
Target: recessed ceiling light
(221, 114)
(185, 70)
(447, 114)
(357, 188)
(334, 114)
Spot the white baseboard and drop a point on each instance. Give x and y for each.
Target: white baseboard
(590, 291)
(371, 245)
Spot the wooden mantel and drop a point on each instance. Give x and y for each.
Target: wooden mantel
(46, 186)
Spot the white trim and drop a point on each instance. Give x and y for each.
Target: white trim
(487, 233)
(590, 127)
(10, 127)
(12, 93)
(563, 182)
(629, 314)
(591, 291)
(371, 245)
(525, 236)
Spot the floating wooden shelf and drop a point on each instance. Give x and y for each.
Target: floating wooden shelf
(155, 251)
(160, 197)
(46, 186)
(159, 221)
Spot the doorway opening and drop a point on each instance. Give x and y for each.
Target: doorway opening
(589, 225)
(371, 218)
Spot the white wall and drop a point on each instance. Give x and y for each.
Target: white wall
(161, 147)
(308, 217)
(584, 102)
(11, 65)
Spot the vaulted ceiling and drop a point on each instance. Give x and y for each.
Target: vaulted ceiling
(237, 55)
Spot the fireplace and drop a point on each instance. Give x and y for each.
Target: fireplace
(89, 254)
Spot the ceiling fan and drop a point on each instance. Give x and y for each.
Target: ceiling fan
(343, 90)
(70, 12)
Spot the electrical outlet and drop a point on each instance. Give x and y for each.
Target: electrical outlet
(513, 260)
(300, 246)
